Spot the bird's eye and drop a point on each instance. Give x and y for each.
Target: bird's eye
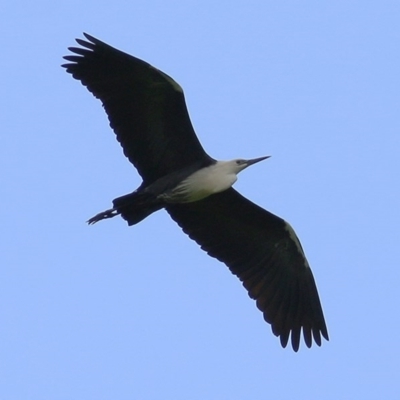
(238, 162)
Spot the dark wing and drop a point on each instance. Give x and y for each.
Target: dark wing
(265, 253)
(146, 108)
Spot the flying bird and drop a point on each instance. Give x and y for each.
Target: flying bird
(147, 111)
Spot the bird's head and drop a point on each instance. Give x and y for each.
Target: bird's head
(240, 164)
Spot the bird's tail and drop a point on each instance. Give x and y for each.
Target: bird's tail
(133, 208)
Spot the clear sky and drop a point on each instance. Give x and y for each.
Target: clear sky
(111, 312)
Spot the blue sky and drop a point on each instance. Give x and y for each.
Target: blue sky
(111, 312)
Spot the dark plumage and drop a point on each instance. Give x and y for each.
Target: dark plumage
(147, 111)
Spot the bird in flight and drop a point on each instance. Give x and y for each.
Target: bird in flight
(147, 111)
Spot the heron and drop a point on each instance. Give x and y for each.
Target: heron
(147, 111)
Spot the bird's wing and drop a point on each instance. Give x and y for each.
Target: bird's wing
(146, 108)
(265, 253)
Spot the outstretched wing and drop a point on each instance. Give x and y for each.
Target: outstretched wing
(265, 253)
(146, 108)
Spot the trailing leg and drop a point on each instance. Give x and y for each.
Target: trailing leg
(112, 212)
(133, 208)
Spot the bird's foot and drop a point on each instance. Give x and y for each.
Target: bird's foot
(103, 215)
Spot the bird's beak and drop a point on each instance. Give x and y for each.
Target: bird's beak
(256, 160)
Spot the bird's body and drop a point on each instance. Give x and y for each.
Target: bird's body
(203, 183)
(147, 111)
(184, 186)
